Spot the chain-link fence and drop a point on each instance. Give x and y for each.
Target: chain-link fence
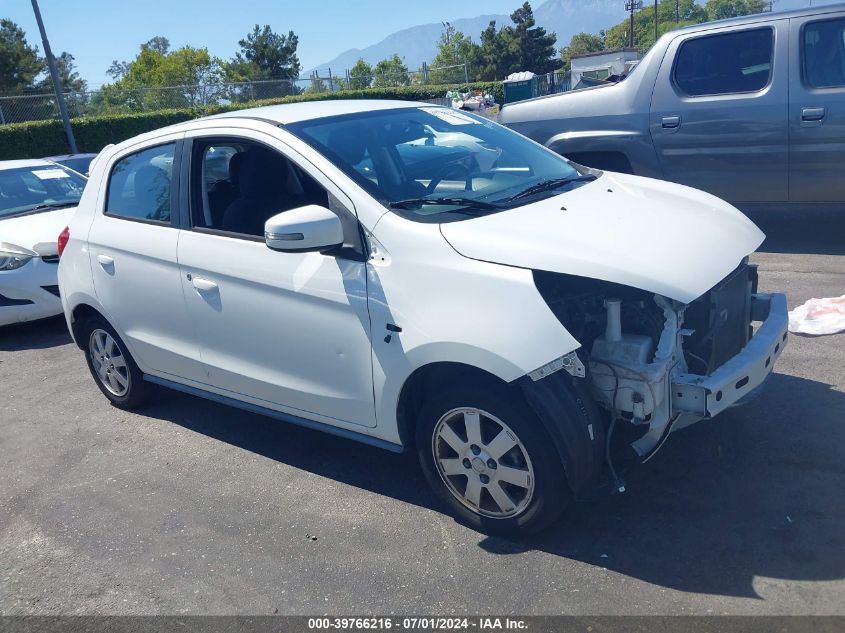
(111, 100)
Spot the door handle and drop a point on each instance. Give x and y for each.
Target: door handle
(670, 122)
(812, 114)
(105, 261)
(203, 285)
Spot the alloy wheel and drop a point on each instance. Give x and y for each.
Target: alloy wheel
(483, 463)
(109, 362)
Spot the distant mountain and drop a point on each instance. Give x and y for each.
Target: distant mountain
(418, 44)
(563, 17)
(568, 17)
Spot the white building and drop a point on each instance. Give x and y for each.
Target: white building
(603, 64)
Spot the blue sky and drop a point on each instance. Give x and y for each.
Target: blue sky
(96, 32)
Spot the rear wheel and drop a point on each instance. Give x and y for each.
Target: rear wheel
(112, 367)
(488, 457)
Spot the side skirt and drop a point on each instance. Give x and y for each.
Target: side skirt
(278, 415)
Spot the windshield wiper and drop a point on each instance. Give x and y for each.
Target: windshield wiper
(449, 202)
(51, 205)
(547, 185)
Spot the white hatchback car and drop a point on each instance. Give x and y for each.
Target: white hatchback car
(37, 200)
(529, 326)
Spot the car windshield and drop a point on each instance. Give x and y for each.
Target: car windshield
(77, 163)
(40, 188)
(436, 164)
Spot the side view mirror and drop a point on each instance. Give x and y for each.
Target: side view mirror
(304, 229)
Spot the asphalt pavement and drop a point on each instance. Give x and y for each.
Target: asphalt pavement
(189, 507)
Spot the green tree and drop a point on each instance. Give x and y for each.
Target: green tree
(689, 12)
(579, 44)
(265, 55)
(453, 50)
(68, 77)
(722, 9)
(22, 70)
(159, 44)
(73, 86)
(361, 75)
(20, 63)
(536, 47)
(391, 72)
(160, 78)
(523, 46)
(493, 60)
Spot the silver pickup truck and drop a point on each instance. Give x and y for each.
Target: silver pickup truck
(750, 109)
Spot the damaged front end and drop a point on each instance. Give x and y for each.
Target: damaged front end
(655, 364)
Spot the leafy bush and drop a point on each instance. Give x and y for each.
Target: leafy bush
(404, 93)
(35, 139)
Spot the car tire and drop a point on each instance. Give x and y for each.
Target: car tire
(112, 366)
(518, 492)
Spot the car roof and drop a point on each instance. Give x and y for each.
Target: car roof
(306, 110)
(275, 115)
(761, 17)
(28, 162)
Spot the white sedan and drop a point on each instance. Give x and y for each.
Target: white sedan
(37, 200)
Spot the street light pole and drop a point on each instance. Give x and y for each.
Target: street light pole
(57, 84)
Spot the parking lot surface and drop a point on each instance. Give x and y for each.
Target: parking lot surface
(191, 507)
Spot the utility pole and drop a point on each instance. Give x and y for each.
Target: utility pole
(57, 84)
(632, 5)
(655, 20)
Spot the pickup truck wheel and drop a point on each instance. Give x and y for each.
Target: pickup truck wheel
(112, 367)
(488, 457)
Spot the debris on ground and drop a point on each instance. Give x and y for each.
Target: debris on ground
(819, 316)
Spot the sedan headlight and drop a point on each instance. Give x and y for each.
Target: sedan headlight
(13, 257)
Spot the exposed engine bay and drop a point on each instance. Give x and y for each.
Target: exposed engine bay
(636, 344)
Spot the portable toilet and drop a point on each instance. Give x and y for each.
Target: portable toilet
(520, 86)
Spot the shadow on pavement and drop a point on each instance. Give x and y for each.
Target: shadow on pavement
(756, 493)
(41, 334)
(812, 230)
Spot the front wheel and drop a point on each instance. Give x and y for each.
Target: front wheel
(488, 457)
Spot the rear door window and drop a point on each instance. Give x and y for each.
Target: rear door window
(140, 185)
(823, 45)
(728, 63)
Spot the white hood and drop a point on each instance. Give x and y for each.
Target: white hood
(38, 232)
(648, 234)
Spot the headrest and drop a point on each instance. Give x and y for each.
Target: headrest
(261, 172)
(235, 164)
